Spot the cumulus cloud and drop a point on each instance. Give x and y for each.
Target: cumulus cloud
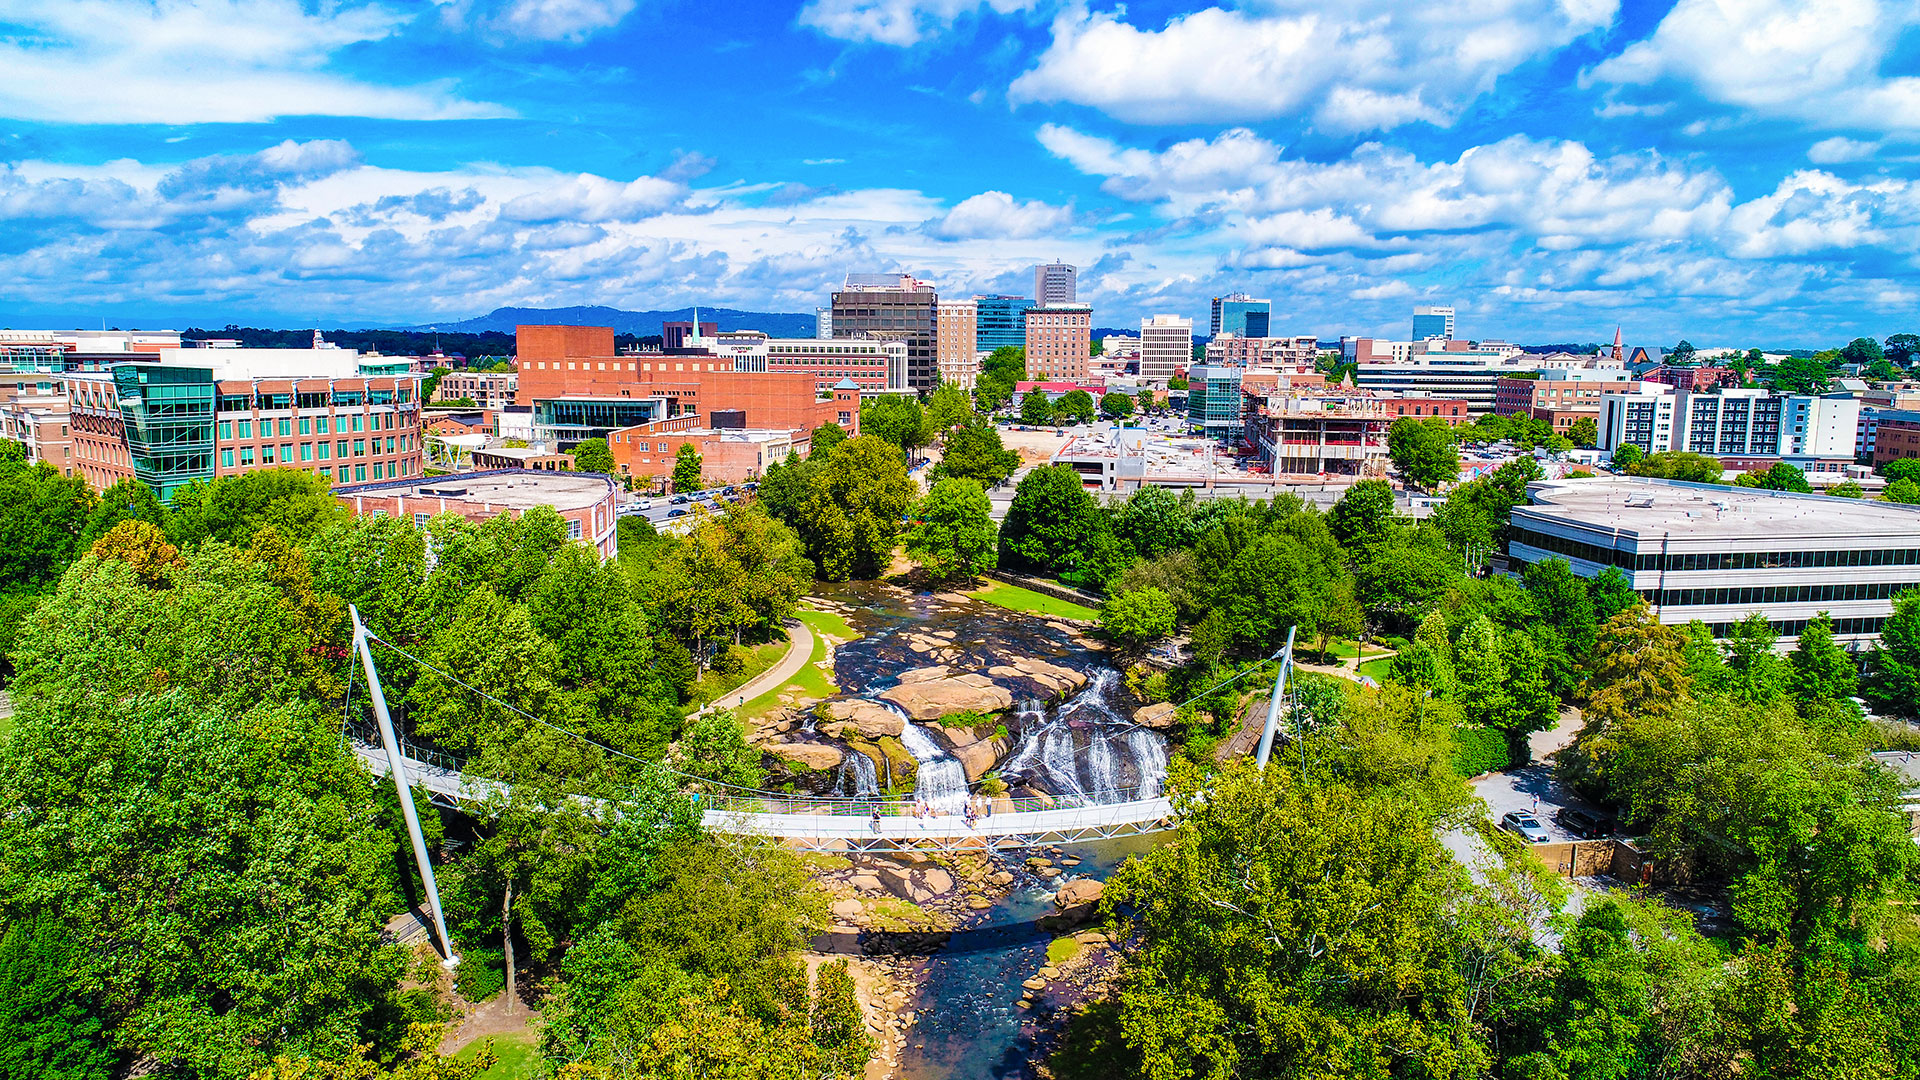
(895, 22)
(996, 214)
(202, 61)
(539, 20)
(590, 198)
(1840, 148)
(1816, 61)
(1371, 65)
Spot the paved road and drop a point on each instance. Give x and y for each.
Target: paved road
(799, 653)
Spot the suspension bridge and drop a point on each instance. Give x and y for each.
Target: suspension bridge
(804, 822)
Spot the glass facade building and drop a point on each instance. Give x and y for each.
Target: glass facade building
(1001, 320)
(1214, 402)
(168, 414)
(1242, 316)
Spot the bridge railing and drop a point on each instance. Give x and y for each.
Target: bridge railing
(905, 806)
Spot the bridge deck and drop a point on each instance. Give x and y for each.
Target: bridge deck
(812, 824)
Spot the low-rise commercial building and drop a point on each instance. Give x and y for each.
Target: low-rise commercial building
(1561, 397)
(486, 389)
(40, 424)
(1730, 424)
(729, 455)
(585, 500)
(1718, 554)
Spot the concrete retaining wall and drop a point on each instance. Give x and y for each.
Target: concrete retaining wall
(1047, 588)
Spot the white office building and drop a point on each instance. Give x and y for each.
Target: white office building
(1731, 423)
(1718, 554)
(1054, 283)
(1166, 344)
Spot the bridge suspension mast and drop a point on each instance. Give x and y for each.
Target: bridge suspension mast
(397, 768)
(1273, 706)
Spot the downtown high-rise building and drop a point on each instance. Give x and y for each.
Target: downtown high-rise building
(1432, 322)
(1166, 345)
(956, 342)
(1242, 316)
(892, 307)
(1000, 321)
(1054, 283)
(1059, 342)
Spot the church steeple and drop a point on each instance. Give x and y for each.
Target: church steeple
(1619, 354)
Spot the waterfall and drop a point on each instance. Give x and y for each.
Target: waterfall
(1099, 761)
(942, 780)
(857, 775)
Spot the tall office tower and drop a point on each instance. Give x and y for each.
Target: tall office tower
(1242, 316)
(956, 346)
(1432, 322)
(1053, 283)
(1059, 341)
(823, 323)
(1001, 320)
(891, 307)
(1166, 344)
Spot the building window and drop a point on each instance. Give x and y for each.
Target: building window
(326, 451)
(306, 425)
(573, 529)
(358, 420)
(266, 454)
(419, 520)
(226, 429)
(359, 472)
(246, 429)
(320, 423)
(246, 455)
(378, 472)
(306, 451)
(359, 448)
(340, 448)
(226, 459)
(286, 427)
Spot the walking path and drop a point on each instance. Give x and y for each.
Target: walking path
(799, 651)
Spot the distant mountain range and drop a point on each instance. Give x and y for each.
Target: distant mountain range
(638, 323)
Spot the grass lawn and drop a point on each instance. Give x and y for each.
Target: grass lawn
(1377, 669)
(810, 681)
(515, 1054)
(1343, 650)
(1019, 599)
(713, 686)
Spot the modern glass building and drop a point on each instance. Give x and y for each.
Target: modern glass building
(168, 416)
(1242, 316)
(1002, 320)
(1214, 402)
(1432, 322)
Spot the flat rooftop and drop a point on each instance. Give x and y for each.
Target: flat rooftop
(511, 489)
(1648, 507)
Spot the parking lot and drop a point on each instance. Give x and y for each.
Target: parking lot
(1533, 789)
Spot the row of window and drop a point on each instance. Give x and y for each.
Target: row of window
(309, 425)
(1718, 560)
(1866, 624)
(1779, 594)
(394, 470)
(349, 399)
(310, 451)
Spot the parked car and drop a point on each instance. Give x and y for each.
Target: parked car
(728, 490)
(676, 513)
(678, 500)
(644, 504)
(1528, 826)
(1584, 824)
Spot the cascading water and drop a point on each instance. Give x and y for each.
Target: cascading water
(1089, 749)
(857, 777)
(942, 780)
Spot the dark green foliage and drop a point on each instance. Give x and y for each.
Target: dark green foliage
(1779, 477)
(232, 508)
(43, 518)
(593, 455)
(1424, 452)
(1479, 750)
(896, 418)
(974, 451)
(1675, 465)
(1362, 515)
(48, 1029)
(1050, 522)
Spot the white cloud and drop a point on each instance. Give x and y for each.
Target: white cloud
(1840, 148)
(996, 214)
(508, 21)
(1369, 65)
(1817, 61)
(201, 61)
(895, 22)
(596, 199)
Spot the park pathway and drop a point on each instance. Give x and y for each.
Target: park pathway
(799, 652)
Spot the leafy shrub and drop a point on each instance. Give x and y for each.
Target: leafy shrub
(1479, 750)
(482, 974)
(993, 784)
(731, 661)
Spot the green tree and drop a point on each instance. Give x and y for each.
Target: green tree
(686, 468)
(1902, 491)
(974, 452)
(593, 455)
(1075, 405)
(1862, 351)
(1116, 405)
(953, 534)
(126, 500)
(1823, 675)
(43, 517)
(48, 1030)
(1682, 354)
(1627, 455)
(1903, 349)
(1426, 663)
(1779, 477)
(1138, 618)
(1035, 408)
(1362, 514)
(1049, 522)
(1847, 489)
(896, 418)
(299, 504)
(1676, 465)
(1480, 675)
(825, 438)
(715, 746)
(432, 382)
(852, 509)
(1756, 674)
(1892, 679)
(1800, 375)
(1423, 452)
(1584, 432)
(1402, 576)
(948, 407)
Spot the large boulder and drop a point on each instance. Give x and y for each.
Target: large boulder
(1078, 902)
(979, 758)
(816, 756)
(1156, 716)
(932, 699)
(1051, 679)
(859, 716)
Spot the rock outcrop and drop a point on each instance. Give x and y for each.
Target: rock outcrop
(1077, 901)
(817, 756)
(931, 699)
(979, 757)
(1156, 716)
(1052, 680)
(859, 716)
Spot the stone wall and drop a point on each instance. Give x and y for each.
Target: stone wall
(1047, 588)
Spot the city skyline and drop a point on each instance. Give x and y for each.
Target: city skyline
(1550, 170)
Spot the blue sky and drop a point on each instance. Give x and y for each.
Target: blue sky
(1737, 172)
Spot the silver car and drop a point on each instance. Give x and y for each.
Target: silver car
(1528, 826)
